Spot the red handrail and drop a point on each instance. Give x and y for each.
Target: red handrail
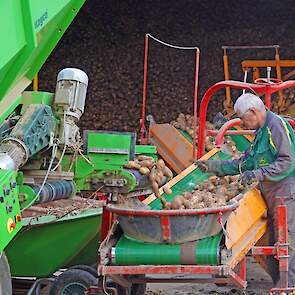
(256, 88)
(223, 130)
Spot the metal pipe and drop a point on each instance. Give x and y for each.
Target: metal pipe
(227, 102)
(281, 102)
(143, 110)
(256, 88)
(134, 212)
(231, 132)
(224, 128)
(282, 244)
(196, 102)
(35, 83)
(252, 47)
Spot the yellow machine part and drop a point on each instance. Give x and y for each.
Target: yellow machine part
(252, 209)
(246, 225)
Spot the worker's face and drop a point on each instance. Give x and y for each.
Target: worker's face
(252, 119)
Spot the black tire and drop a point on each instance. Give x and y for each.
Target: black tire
(88, 268)
(72, 280)
(5, 277)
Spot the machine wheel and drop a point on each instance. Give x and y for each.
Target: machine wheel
(5, 277)
(87, 268)
(72, 282)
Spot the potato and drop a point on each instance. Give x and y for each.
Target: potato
(221, 191)
(213, 179)
(187, 204)
(147, 163)
(161, 163)
(204, 186)
(187, 195)
(167, 206)
(167, 172)
(241, 187)
(209, 126)
(231, 194)
(144, 170)
(144, 158)
(201, 205)
(133, 165)
(155, 187)
(220, 203)
(197, 199)
(211, 188)
(209, 202)
(167, 190)
(160, 173)
(177, 202)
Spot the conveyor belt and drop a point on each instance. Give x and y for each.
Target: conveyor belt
(203, 252)
(189, 182)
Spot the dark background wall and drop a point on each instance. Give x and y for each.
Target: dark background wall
(107, 41)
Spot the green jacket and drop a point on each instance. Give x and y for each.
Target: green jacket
(271, 156)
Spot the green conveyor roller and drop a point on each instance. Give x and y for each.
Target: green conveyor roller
(202, 252)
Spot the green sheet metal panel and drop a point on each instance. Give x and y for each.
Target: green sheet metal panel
(9, 207)
(35, 97)
(110, 148)
(29, 31)
(47, 244)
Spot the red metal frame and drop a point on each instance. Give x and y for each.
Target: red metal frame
(143, 131)
(267, 89)
(228, 275)
(279, 250)
(221, 274)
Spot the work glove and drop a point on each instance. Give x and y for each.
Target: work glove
(248, 177)
(208, 166)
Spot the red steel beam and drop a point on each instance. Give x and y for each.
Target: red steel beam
(164, 269)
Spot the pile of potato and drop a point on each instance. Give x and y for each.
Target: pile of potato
(157, 171)
(185, 123)
(215, 192)
(289, 101)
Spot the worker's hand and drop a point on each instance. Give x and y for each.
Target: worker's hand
(203, 165)
(248, 177)
(208, 165)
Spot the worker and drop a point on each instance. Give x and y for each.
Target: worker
(270, 160)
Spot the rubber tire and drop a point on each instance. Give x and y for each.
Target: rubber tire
(5, 277)
(87, 268)
(72, 276)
